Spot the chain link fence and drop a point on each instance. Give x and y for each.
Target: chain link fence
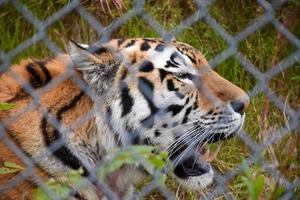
(104, 32)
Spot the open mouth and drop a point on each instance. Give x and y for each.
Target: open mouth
(194, 161)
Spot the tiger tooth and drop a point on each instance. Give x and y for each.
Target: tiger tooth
(211, 156)
(206, 155)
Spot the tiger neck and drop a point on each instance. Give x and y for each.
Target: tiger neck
(106, 136)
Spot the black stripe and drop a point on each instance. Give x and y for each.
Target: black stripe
(45, 70)
(160, 47)
(170, 85)
(173, 56)
(150, 40)
(100, 50)
(162, 74)
(186, 114)
(129, 44)
(146, 66)
(126, 99)
(63, 153)
(69, 106)
(175, 109)
(170, 64)
(157, 133)
(124, 73)
(146, 88)
(35, 80)
(15, 98)
(145, 46)
(191, 58)
(187, 101)
(195, 105)
(147, 141)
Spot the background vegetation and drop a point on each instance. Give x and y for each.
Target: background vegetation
(264, 49)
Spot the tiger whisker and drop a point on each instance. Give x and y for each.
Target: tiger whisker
(169, 131)
(174, 145)
(180, 139)
(204, 144)
(186, 150)
(198, 140)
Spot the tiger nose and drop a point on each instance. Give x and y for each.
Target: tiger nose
(240, 105)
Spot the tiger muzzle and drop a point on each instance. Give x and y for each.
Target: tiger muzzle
(187, 162)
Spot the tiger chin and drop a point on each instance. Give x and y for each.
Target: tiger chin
(140, 91)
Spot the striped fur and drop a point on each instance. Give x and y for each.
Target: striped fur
(144, 91)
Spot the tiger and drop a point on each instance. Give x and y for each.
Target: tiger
(97, 98)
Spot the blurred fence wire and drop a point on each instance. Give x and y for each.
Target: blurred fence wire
(104, 32)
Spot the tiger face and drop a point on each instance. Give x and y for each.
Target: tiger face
(165, 95)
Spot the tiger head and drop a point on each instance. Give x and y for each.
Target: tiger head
(165, 95)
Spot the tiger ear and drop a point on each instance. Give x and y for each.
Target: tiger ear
(98, 64)
(87, 57)
(80, 56)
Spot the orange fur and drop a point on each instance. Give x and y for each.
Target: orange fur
(25, 130)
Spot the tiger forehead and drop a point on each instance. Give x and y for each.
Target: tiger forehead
(196, 57)
(137, 49)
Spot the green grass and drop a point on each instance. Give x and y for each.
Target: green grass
(260, 48)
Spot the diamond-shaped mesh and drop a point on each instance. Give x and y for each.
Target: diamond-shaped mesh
(201, 15)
